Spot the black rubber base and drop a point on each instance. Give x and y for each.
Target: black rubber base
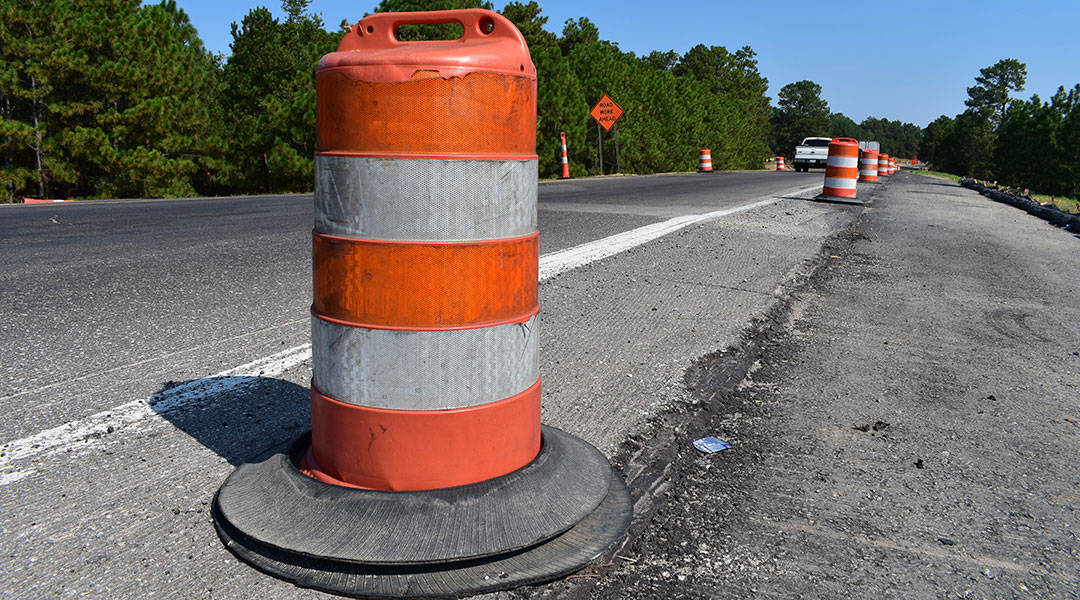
(838, 200)
(545, 520)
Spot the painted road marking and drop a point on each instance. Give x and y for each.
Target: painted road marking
(144, 415)
(132, 416)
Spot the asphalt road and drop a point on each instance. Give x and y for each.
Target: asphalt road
(150, 345)
(905, 425)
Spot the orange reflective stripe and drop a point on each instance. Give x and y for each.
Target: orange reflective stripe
(382, 449)
(479, 114)
(425, 284)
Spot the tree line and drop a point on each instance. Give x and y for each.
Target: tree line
(802, 112)
(109, 98)
(112, 98)
(1032, 143)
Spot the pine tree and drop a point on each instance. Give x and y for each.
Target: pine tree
(269, 84)
(801, 113)
(990, 94)
(30, 112)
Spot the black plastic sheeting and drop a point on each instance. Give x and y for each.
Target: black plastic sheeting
(1051, 214)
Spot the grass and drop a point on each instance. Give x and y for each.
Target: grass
(1066, 204)
(949, 176)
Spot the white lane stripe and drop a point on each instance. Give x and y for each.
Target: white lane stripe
(145, 414)
(86, 433)
(571, 258)
(147, 360)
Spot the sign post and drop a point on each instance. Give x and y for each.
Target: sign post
(606, 113)
(618, 167)
(600, 146)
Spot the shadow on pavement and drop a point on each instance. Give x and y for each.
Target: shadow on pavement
(242, 419)
(824, 200)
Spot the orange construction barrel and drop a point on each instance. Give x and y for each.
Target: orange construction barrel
(842, 168)
(868, 165)
(426, 468)
(705, 161)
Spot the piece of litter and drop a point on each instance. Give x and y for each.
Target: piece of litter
(711, 444)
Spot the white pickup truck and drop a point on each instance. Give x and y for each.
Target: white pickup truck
(812, 152)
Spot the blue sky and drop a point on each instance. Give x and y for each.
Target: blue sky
(911, 61)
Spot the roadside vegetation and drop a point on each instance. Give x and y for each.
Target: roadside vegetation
(1069, 205)
(941, 174)
(1024, 144)
(118, 99)
(113, 98)
(801, 110)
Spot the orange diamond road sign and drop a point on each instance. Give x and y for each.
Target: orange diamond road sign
(606, 112)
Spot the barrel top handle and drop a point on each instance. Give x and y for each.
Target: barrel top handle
(376, 32)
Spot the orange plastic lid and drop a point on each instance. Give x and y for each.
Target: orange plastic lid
(490, 43)
(844, 141)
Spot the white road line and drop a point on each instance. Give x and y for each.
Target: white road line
(571, 258)
(147, 360)
(145, 414)
(84, 433)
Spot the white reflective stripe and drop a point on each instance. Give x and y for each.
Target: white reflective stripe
(843, 161)
(424, 370)
(564, 147)
(424, 199)
(840, 182)
(868, 162)
(564, 160)
(868, 173)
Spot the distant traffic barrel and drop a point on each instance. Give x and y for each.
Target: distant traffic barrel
(427, 471)
(893, 167)
(883, 165)
(563, 158)
(779, 163)
(704, 161)
(868, 165)
(842, 168)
